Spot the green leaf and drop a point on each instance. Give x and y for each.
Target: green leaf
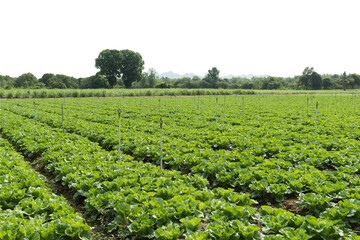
(191, 224)
(35, 236)
(61, 228)
(84, 235)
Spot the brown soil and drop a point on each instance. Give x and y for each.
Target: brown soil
(290, 205)
(98, 231)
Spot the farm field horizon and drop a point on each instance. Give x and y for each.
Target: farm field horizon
(270, 165)
(146, 92)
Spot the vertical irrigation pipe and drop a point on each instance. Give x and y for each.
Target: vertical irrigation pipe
(119, 114)
(123, 105)
(161, 143)
(34, 113)
(307, 106)
(216, 109)
(159, 107)
(62, 117)
(317, 104)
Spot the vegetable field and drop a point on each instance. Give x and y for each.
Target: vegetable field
(233, 167)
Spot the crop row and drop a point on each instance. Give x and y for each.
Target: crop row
(28, 210)
(309, 199)
(125, 192)
(288, 171)
(136, 199)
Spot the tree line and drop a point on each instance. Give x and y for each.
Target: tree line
(124, 69)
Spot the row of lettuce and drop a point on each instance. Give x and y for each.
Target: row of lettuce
(342, 209)
(28, 209)
(273, 165)
(136, 199)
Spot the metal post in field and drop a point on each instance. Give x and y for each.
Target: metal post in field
(317, 104)
(123, 105)
(161, 143)
(62, 117)
(159, 106)
(119, 115)
(34, 113)
(307, 106)
(216, 109)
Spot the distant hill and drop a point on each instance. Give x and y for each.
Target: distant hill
(248, 76)
(173, 75)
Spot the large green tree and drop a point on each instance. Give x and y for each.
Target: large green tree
(125, 64)
(131, 67)
(310, 79)
(26, 80)
(344, 80)
(316, 81)
(327, 83)
(212, 77)
(356, 80)
(45, 78)
(304, 79)
(6, 81)
(109, 62)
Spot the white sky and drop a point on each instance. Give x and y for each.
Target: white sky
(277, 37)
